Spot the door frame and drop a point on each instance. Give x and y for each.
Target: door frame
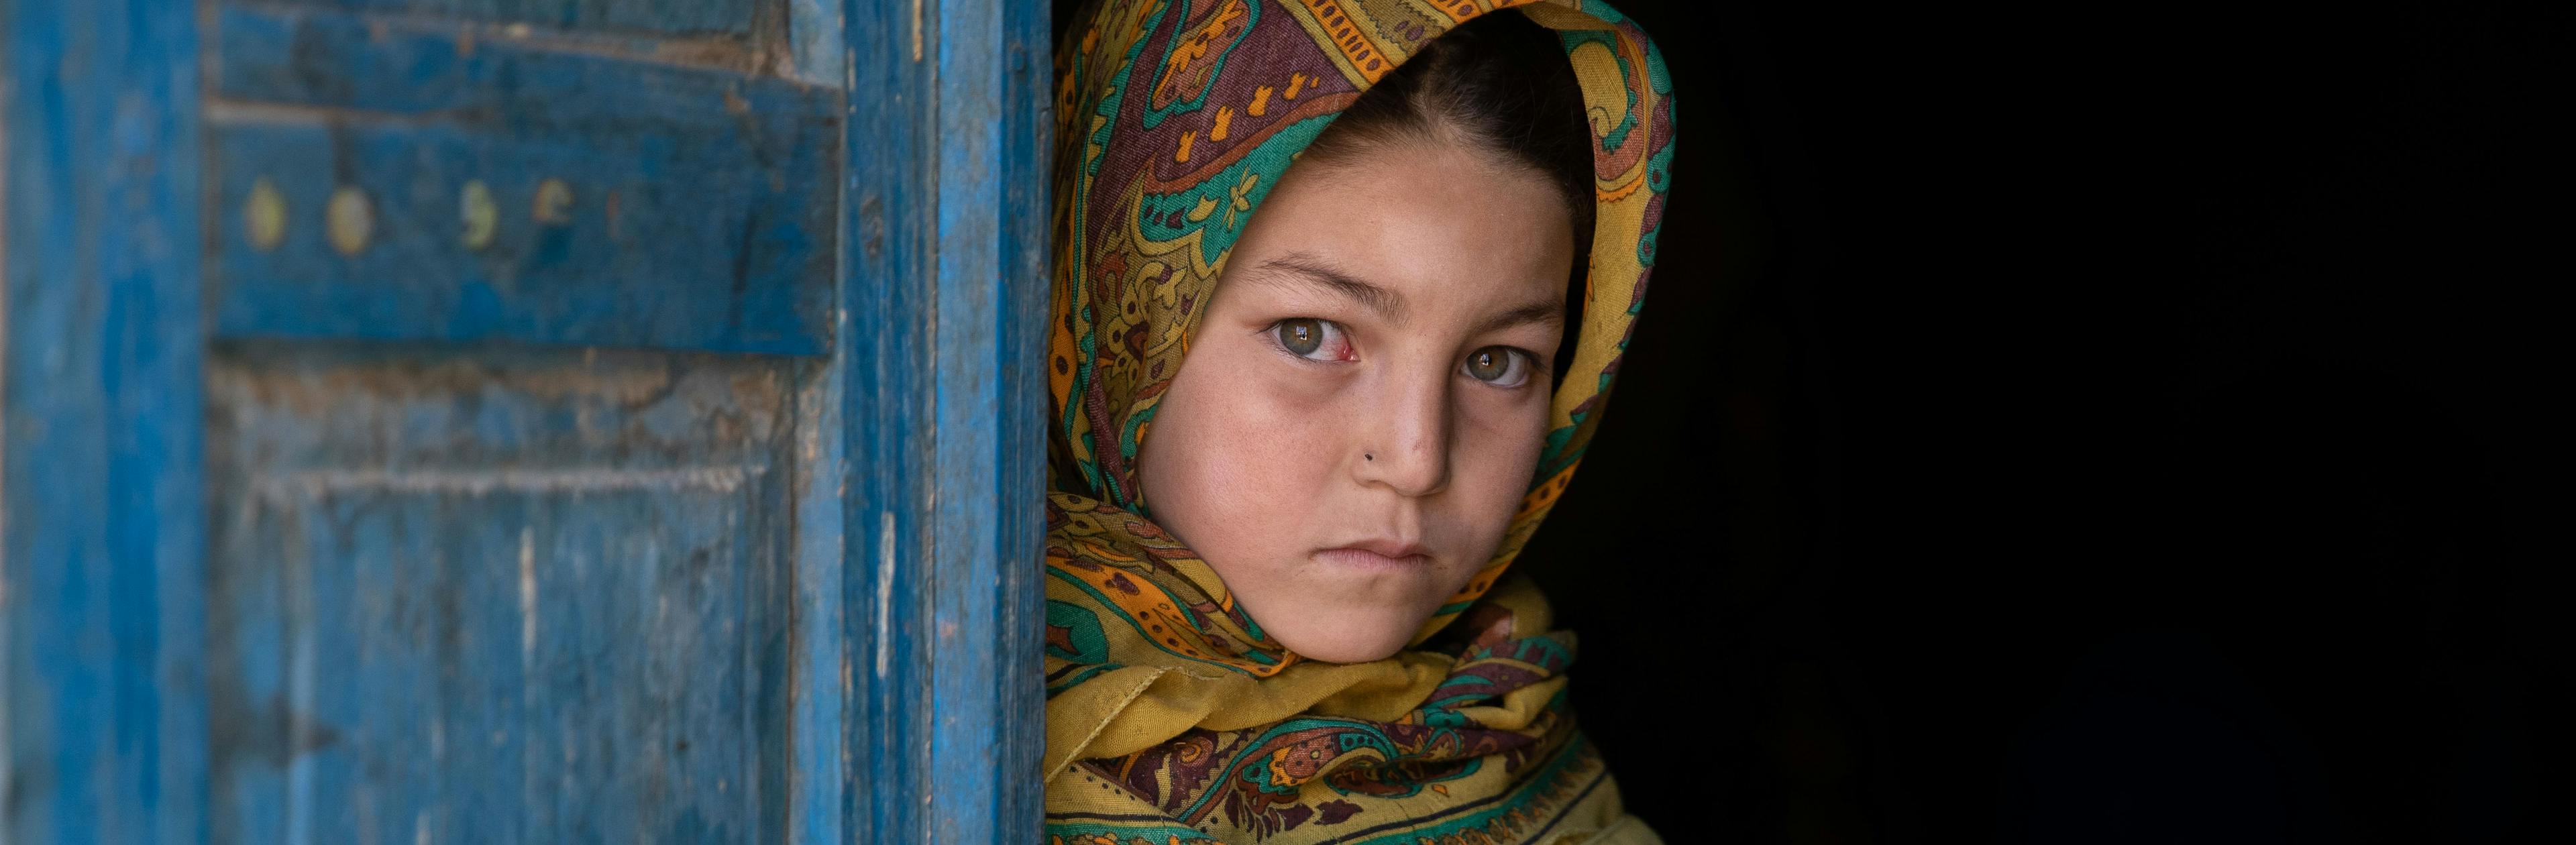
(947, 715)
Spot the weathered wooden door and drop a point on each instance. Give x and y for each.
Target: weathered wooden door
(520, 420)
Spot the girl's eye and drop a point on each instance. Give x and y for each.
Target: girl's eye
(1306, 337)
(1500, 366)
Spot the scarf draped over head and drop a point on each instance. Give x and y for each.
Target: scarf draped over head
(1171, 716)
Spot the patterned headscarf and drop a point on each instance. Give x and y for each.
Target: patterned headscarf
(1171, 715)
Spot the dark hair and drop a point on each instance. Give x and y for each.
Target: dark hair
(1501, 83)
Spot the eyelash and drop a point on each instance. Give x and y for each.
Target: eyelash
(1333, 332)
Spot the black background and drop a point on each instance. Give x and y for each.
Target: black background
(2091, 423)
(2118, 423)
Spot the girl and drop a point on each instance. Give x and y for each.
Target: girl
(1295, 450)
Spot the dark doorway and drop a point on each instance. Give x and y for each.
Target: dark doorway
(2092, 425)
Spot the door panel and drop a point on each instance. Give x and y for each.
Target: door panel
(406, 180)
(465, 581)
(498, 597)
(666, 17)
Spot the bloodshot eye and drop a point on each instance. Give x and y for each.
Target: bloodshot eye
(1312, 339)
(1500, 366)
(1301, 336)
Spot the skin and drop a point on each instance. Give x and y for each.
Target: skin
(1346, 493)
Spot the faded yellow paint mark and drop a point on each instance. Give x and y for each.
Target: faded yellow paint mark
(553, 204)
(350, 220)
(480, 216)
(264, 215)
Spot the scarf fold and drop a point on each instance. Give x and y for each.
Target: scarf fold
(1171, 716)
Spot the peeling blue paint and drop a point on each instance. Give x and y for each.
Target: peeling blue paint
(101, 597)
(699, 213)
(709, 512)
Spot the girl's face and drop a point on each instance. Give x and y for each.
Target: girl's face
(1362, 408)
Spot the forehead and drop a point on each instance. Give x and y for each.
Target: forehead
(1445, 227)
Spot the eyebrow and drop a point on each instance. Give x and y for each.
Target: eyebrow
(1550, 313)
(1306, 268)
(1298, 267)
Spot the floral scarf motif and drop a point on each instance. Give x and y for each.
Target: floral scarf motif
(1171, 716)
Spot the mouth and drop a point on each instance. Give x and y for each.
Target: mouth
(1377, 555)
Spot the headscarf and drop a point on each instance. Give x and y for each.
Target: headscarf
(1171, 716)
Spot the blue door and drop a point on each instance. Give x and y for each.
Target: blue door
(521, 420)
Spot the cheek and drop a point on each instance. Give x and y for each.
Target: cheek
(1499, 454)
(1232, 450)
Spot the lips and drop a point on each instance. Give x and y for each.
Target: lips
(1390, 548)
(1378, 554)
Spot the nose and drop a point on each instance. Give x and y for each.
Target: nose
(1406, 447)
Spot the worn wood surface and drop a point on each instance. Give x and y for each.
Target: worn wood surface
(621, 421)
(515, 192)
(945, 314)
(886, 364)
(650, 17)
(994, 79)
(499, 597)
(101, 725)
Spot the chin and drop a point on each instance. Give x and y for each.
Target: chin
(1348, 646)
